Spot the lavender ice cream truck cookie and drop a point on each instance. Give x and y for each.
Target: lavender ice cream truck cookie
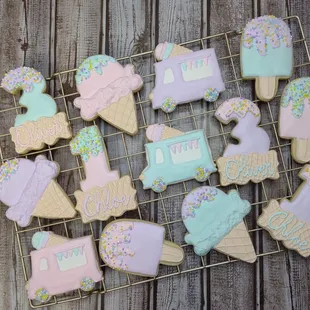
(183, 76)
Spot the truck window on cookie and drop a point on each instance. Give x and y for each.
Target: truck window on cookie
(168, 76)
(43, 264)
(196, 68)
(159, 157)
(70, 259)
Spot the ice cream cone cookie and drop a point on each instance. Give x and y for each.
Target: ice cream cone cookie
(294, 118)
(104, 193)
(41, 124)
(215, 220)
(174, 156)
(184, 76)
(289, 220)
(60, 265)
(138, 247)
(29, 189)
(266, 54)
(106, 90)
(250, 160)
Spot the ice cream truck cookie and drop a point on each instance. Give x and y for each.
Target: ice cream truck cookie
(60, 265)
(106, 90)
(250, 160)
(214, 220)
(289, 220)
(294, 118)
(41, 124)
(30, 189)
(174, 156)
(183, 76)
(266, 54)
(138, 247)
(103, 193)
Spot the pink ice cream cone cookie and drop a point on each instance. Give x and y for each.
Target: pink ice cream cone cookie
(138, 247)
(41, 124)
(60, 265)
(106, 90)
(29, 189)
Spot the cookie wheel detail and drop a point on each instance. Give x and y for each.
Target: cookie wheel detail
(211, 95)
(42, 295)
(87, 284)
(168, 105)
(159, 185)
(202, 174)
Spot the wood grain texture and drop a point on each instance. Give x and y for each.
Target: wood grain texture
(53, 36)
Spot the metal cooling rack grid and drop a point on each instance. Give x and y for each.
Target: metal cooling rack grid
(160, 200)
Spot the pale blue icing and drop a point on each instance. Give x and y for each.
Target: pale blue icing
(38, 104)
(277, 62)
(214, 218)
(168, 50)
(170, 172)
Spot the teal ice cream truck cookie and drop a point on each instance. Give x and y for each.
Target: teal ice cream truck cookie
(174, 156)
(266, 54)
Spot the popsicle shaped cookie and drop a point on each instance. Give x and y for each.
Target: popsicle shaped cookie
(29, 189)
(60, 265)
(294, 118)
(106, 89)
(250, 160)
(183, 75)
(41, 124)
(104, 193)
(266, 54)
(215, 220)
(138, 247)
(289, 220)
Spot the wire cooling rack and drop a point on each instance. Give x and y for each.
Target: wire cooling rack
(166, 205)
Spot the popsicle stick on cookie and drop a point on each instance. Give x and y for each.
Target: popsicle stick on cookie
(289, 220)
(266, 54)
(106, 89)
(41, 124)
(215, 220)
(29, 189)
(103, 193)
(138, 247)
(294, 118)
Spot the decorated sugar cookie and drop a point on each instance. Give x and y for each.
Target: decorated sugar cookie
(183, 76)
(138, 247)
(294, 118)
(60, 265)
(214, 220)
(106, 90)
(289, 220)
(266, 54)
(104, 193)
(174, 156)
(41, 124)
(29, 189)
(250, 160)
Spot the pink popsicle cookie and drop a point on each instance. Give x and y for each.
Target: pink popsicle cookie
(103, 193)
(250, 160)
(294, 118)
(106, 90)
(138, 247)
(29, 189)
(41, 124)
(60, 265)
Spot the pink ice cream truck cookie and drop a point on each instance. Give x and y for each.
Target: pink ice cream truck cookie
(60, 265)
(106, 90)
(183, 76)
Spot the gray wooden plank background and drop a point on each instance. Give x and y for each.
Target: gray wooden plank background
(54, 36)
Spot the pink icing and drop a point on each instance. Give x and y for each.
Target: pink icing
(83, 264)
(101, 90)
(25, 188)
(159, 50)
(154, 132)
(97, 172)
(133, 246)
